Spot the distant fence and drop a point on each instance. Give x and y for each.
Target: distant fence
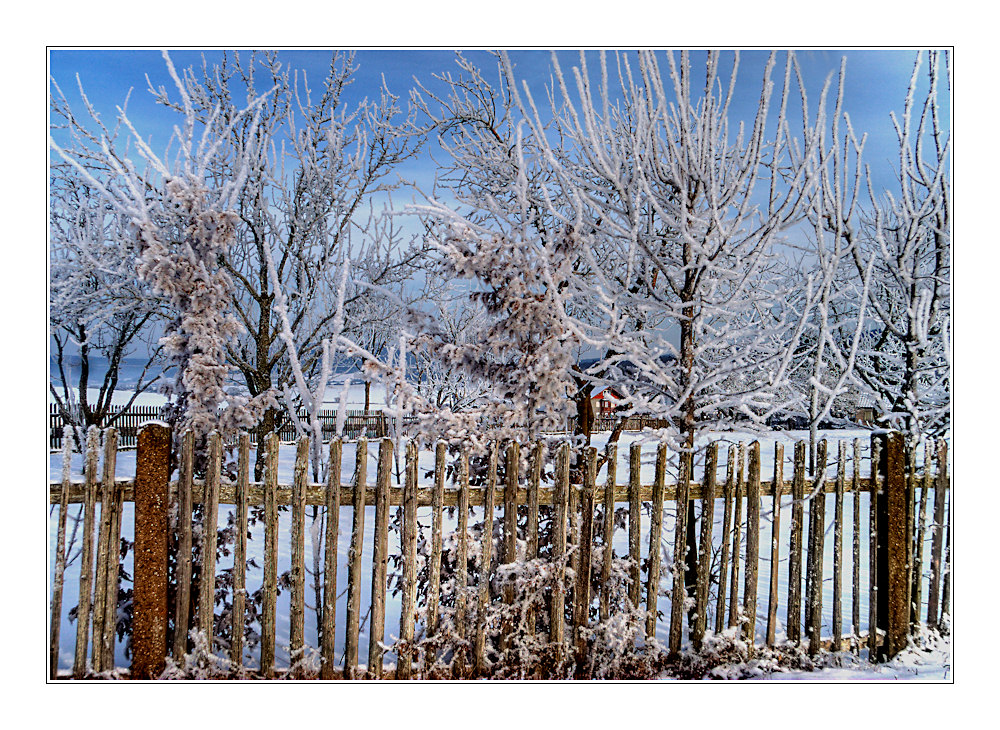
(357, 424)
(563, 615)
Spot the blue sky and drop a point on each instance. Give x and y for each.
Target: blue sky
(875, 84)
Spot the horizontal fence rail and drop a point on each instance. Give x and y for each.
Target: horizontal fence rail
(476, 597)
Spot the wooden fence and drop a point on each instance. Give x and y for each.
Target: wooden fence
(897, 522)
(357, 424)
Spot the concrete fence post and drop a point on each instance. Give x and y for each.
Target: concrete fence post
(149, 622)
(891, 548)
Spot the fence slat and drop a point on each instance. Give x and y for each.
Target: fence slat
(793, 622)
(918, 547)
(817, 530)
(912, 607)
(512, 459)
(110, 501)
(182, 608)
(486, 562)
(97, 648)
(86, 557)
(777, 486)
(734, 585)
(634, 523)
(727, 516)
(437, 510)
(937, 545)
(240, 555)
(946, 578)
(856, 549)
(354, 561)
(328, 636)
(873, 552)
(534, 481)
(409, 547)
(561, 498)
(582, 592)
(462, 561)
(380, 558)
(655, 535)
(55, 619)
(705, 548)
(270, 586)
(296, 619)
(678, 592)
(209, 539)
(753, 547)
(838, 544)
(611, 453)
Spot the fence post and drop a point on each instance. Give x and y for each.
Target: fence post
(149, 623)
(892, 509)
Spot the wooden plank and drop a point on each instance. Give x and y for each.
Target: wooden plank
(437, 513)
(209, 539)
(534, 483)
(793, 622)
(380, 559)
(110, 584)
(86, 557)
(611, 460)
(838, 544)
(817, 531)
(946, 579)
(512, 458)
(558, 605)
(634, 523)
(856, 550)
(911, 532)
(655, 536)
(581, 608)
(753, 547)
(354, 555)
(270, 583)
(404, 667)
(240, 555)
(296, 617)
(485, 563)
(937, 543)
(678, 592)
(462, 560)
(55, 618)
(872, 554)
(927, 482)
(182, 607)
(705, 548)
(727, 515)
(332, 537)
(734, 584)
(776, 488)
(98, 649)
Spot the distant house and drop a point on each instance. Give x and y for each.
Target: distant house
(866, 410)
(605, 401)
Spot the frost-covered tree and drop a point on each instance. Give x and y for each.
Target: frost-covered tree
(321, 161)
(904, 358)
(182, 224)
(100, 313)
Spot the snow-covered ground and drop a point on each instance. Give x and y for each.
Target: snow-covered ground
(917, 666)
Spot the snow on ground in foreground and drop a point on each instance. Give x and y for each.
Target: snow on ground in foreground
(899, 670)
